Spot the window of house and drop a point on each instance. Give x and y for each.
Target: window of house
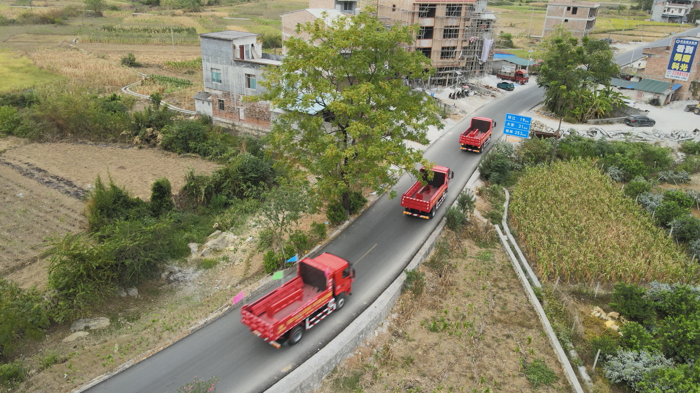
(450, 32)
(426, 11)
(566, 20)
(216, 75)
(250, 81)
(425, 33)
(347, 6)
(568, 8)
(393, 8)
(454, 10)
(574, 10)
(448, 52)
(221, 105)
(427, 52)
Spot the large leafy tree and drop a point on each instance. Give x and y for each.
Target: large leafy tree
(577, 77)
(348, 108)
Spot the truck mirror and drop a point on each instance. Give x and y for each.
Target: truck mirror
(352, 272)
(494, 124)
(452, 174)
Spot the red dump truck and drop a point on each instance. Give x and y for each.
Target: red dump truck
(320, 287)
(423, 200)
(519, 76)
(478, 135)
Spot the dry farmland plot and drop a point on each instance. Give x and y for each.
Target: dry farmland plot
(467, 332)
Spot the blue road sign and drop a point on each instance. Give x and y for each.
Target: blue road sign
(517, 125)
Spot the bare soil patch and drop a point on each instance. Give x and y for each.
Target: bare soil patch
(470, 330)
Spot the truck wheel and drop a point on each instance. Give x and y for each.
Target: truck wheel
(296, 334)
(696, 111)
(339, 301)
(432, 213)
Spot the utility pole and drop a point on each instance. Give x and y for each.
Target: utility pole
(532, 15)
(623, 29)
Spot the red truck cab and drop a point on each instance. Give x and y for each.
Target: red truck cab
(519, 76)
(319, 289)
(478, 135)
(423, 200)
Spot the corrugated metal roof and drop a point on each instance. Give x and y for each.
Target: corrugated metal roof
(204, 96)
(651, 86)
(520, 61)
(502, 55)
(621, 82)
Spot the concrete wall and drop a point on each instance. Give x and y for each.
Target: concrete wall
(579, 24)
(203, 107)
(290, 20)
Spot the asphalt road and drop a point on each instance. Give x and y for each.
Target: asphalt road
(381, 242)
(628, 57)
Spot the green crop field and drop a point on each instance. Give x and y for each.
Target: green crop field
(18, 72)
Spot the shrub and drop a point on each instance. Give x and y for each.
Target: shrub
(336, 213)
(680, 197)
(630, 301)
(267, 237)
(318, 231)
(22, 315)
(9, 120)
(535, 151)
(300, 241)
(629, 367)
(679, 337)
(649, 201)
(129, 60)
(12, 373)
(637, 186)
(690, 147)
(675, 301)
(682, 378)
(455, 219)
(357, 202)
(466, 202)
(690, 164)
(208, 263)
(686, 228)
(674, 177)
(183, 137)
(415, 282)
(107, 204)
(636, 338)
(161, 197)
(607, 343)
(496, 167)
(669, 211)
(538, 374)
(271, 262)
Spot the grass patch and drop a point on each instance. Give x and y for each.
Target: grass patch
(18, 72)
(208, 263)
(538, 373)
(579, 226)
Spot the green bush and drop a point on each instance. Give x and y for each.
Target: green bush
(357, 202)
(183, 136)
(690, 147)
(680, 197)
(271, 262)
(637, 186)
(23, 314)
(631, 302)
(498, 164)
(466, 202)
(12, 373)
(208, 263)
(20, 100)
(686, 228)
(300, 241)
(161, 197)
(129, 60)
(635, 337)
(535, 151)
(336, 213)
(669, 211)
(415, 282)
(107, 204)
(682, 378)
(318, 231)
(267, 238)
(690, 164)
(9, 120)
(680, 300)
(607, 343)
(538, 374)
(455, 219)
(680, 337)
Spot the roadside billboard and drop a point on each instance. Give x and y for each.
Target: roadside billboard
(681, 60)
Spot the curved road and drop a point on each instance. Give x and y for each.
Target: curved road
(242, 362)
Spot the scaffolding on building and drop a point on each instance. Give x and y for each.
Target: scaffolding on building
(456, 40)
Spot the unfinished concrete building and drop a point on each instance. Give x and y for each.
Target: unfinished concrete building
(455, 34)
(232, 65)
(577, 17)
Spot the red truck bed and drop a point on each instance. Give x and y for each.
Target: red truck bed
(309, 293)
(420, 200)
(477, 135)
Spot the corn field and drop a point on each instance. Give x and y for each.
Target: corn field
(142, 38)
(576, 225)
(149, 30)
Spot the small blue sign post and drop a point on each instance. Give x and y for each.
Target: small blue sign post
(517, 125)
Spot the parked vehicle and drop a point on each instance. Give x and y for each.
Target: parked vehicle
(478, 135)
(639, 121)
(509, 73)
(693, 108)
(505, 86)
(320, 288)
(629, 103)
(423, 200)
